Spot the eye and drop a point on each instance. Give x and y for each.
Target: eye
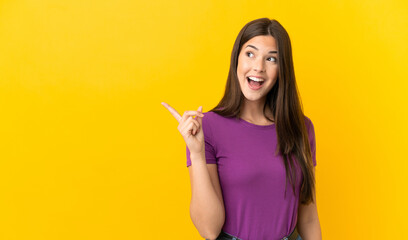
(247, 53)
(273, 59)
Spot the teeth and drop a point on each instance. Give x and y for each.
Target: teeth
(256, 79)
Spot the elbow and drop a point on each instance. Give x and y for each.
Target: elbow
(212, 229)
(211, 234)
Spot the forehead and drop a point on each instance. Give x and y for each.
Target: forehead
(263, 43)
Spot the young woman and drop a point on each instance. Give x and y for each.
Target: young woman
(251, 158)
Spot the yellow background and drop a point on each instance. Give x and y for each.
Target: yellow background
(88, 152)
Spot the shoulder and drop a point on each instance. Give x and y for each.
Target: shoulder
(310, 128)
(307, 119)
(308, 123)
(211, 114)
(208, 121)
(213, 123)
(212, 118)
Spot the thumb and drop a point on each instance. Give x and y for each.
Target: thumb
(200, 119)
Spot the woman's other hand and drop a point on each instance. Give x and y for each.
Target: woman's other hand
(190, 128)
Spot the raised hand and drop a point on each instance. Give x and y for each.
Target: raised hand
(190, 128)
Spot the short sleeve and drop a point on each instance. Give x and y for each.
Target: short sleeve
(210, 153)
(312, 139)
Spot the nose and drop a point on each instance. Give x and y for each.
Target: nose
(259, 65)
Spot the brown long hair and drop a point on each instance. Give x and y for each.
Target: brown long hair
(283, 100)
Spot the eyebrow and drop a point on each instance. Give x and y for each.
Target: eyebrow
(258, 49)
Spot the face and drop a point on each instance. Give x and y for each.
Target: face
(258, 61)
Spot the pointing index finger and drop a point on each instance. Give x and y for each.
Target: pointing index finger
(172, 111)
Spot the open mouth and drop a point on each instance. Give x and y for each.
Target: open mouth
(255, 83)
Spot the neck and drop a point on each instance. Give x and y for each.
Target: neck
(252, 111)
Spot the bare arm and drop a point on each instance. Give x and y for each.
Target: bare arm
(207, 206)
(308, 220)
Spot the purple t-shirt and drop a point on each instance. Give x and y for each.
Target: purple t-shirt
(252, 178)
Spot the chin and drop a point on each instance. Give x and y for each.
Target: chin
(252, 98)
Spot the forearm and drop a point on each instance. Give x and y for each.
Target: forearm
(206, 209)
(310, 230)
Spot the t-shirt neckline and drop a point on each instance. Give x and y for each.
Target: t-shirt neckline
(255, 125)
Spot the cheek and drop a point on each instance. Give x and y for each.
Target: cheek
(242, 67)
(240, 72)
(273, 72)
